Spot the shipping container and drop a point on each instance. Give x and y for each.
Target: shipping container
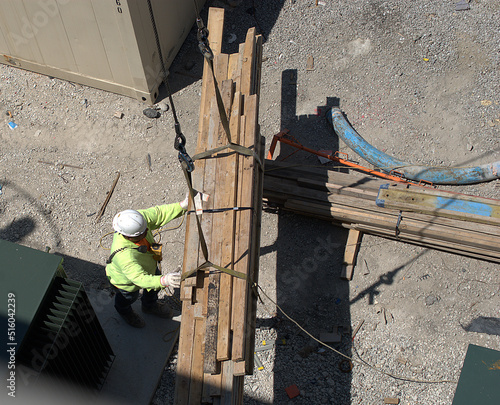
(106, 44)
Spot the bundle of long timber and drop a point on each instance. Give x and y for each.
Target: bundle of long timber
(216, 341)
(349, 199)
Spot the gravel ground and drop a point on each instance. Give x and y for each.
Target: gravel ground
(418, 80)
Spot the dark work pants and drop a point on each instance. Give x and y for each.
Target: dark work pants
(125, 299)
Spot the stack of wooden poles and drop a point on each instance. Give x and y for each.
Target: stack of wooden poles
(348, 198)
(216, 342)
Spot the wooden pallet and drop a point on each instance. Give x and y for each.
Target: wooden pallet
(350, 201)
(216, 342)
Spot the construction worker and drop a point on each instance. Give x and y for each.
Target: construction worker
(133, 263)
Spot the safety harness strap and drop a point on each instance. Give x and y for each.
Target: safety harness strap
(243, 150)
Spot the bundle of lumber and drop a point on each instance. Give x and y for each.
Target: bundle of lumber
(350, 200)
(216, 343)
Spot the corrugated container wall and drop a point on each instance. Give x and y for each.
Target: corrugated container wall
(107, 44)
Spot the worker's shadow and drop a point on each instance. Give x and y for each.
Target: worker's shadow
(309, 254)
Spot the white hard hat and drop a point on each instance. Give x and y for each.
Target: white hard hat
(129, 223)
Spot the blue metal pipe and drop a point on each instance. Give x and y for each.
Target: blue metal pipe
(433, 174)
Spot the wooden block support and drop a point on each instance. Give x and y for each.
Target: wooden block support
(350, 254)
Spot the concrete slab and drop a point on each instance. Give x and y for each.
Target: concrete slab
(141, 354)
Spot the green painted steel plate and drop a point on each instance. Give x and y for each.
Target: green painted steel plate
(25, 277)
(479, 381)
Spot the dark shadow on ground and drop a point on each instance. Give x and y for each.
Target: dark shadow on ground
(83, 271)
(187, 66)
(309, 255)
(484, 324)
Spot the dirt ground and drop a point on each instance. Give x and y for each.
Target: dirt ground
(418, 80)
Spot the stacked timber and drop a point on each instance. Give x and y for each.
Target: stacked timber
(216, 340)
(350, 199)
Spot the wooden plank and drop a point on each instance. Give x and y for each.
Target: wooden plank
(187, 293)
(220, 65)
(209, 188)
(344, 176)
(211, 387)
(224, 190)
(215, 28)
(410, 228)
(233, 70)
(211, 365)
(227, 383)
(236, 263)
(247, 68)
(237, 78)
(196, 386)
(351, 251)
(184, 360)
(238, 386)
(242, 256)
(446, 194)
(290, 188)
(477, 253)
(338, 188)
(216, 136)
(244, 218)
(257, 65)
(201, 295)
(186, 339)
(455, 206)
(255, 256)
(388, 220)
(239, 368)
(229, 181)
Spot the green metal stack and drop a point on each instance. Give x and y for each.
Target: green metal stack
(479, 381)
(56, 333)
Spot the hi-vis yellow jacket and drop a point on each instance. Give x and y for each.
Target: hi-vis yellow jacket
(131, 270)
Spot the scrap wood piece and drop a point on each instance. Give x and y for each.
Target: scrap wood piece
(106, 201)
(356, 330)
(60, 165)
(310, 63)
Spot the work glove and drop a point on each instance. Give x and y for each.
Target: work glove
(171, 280)
(184, 203)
